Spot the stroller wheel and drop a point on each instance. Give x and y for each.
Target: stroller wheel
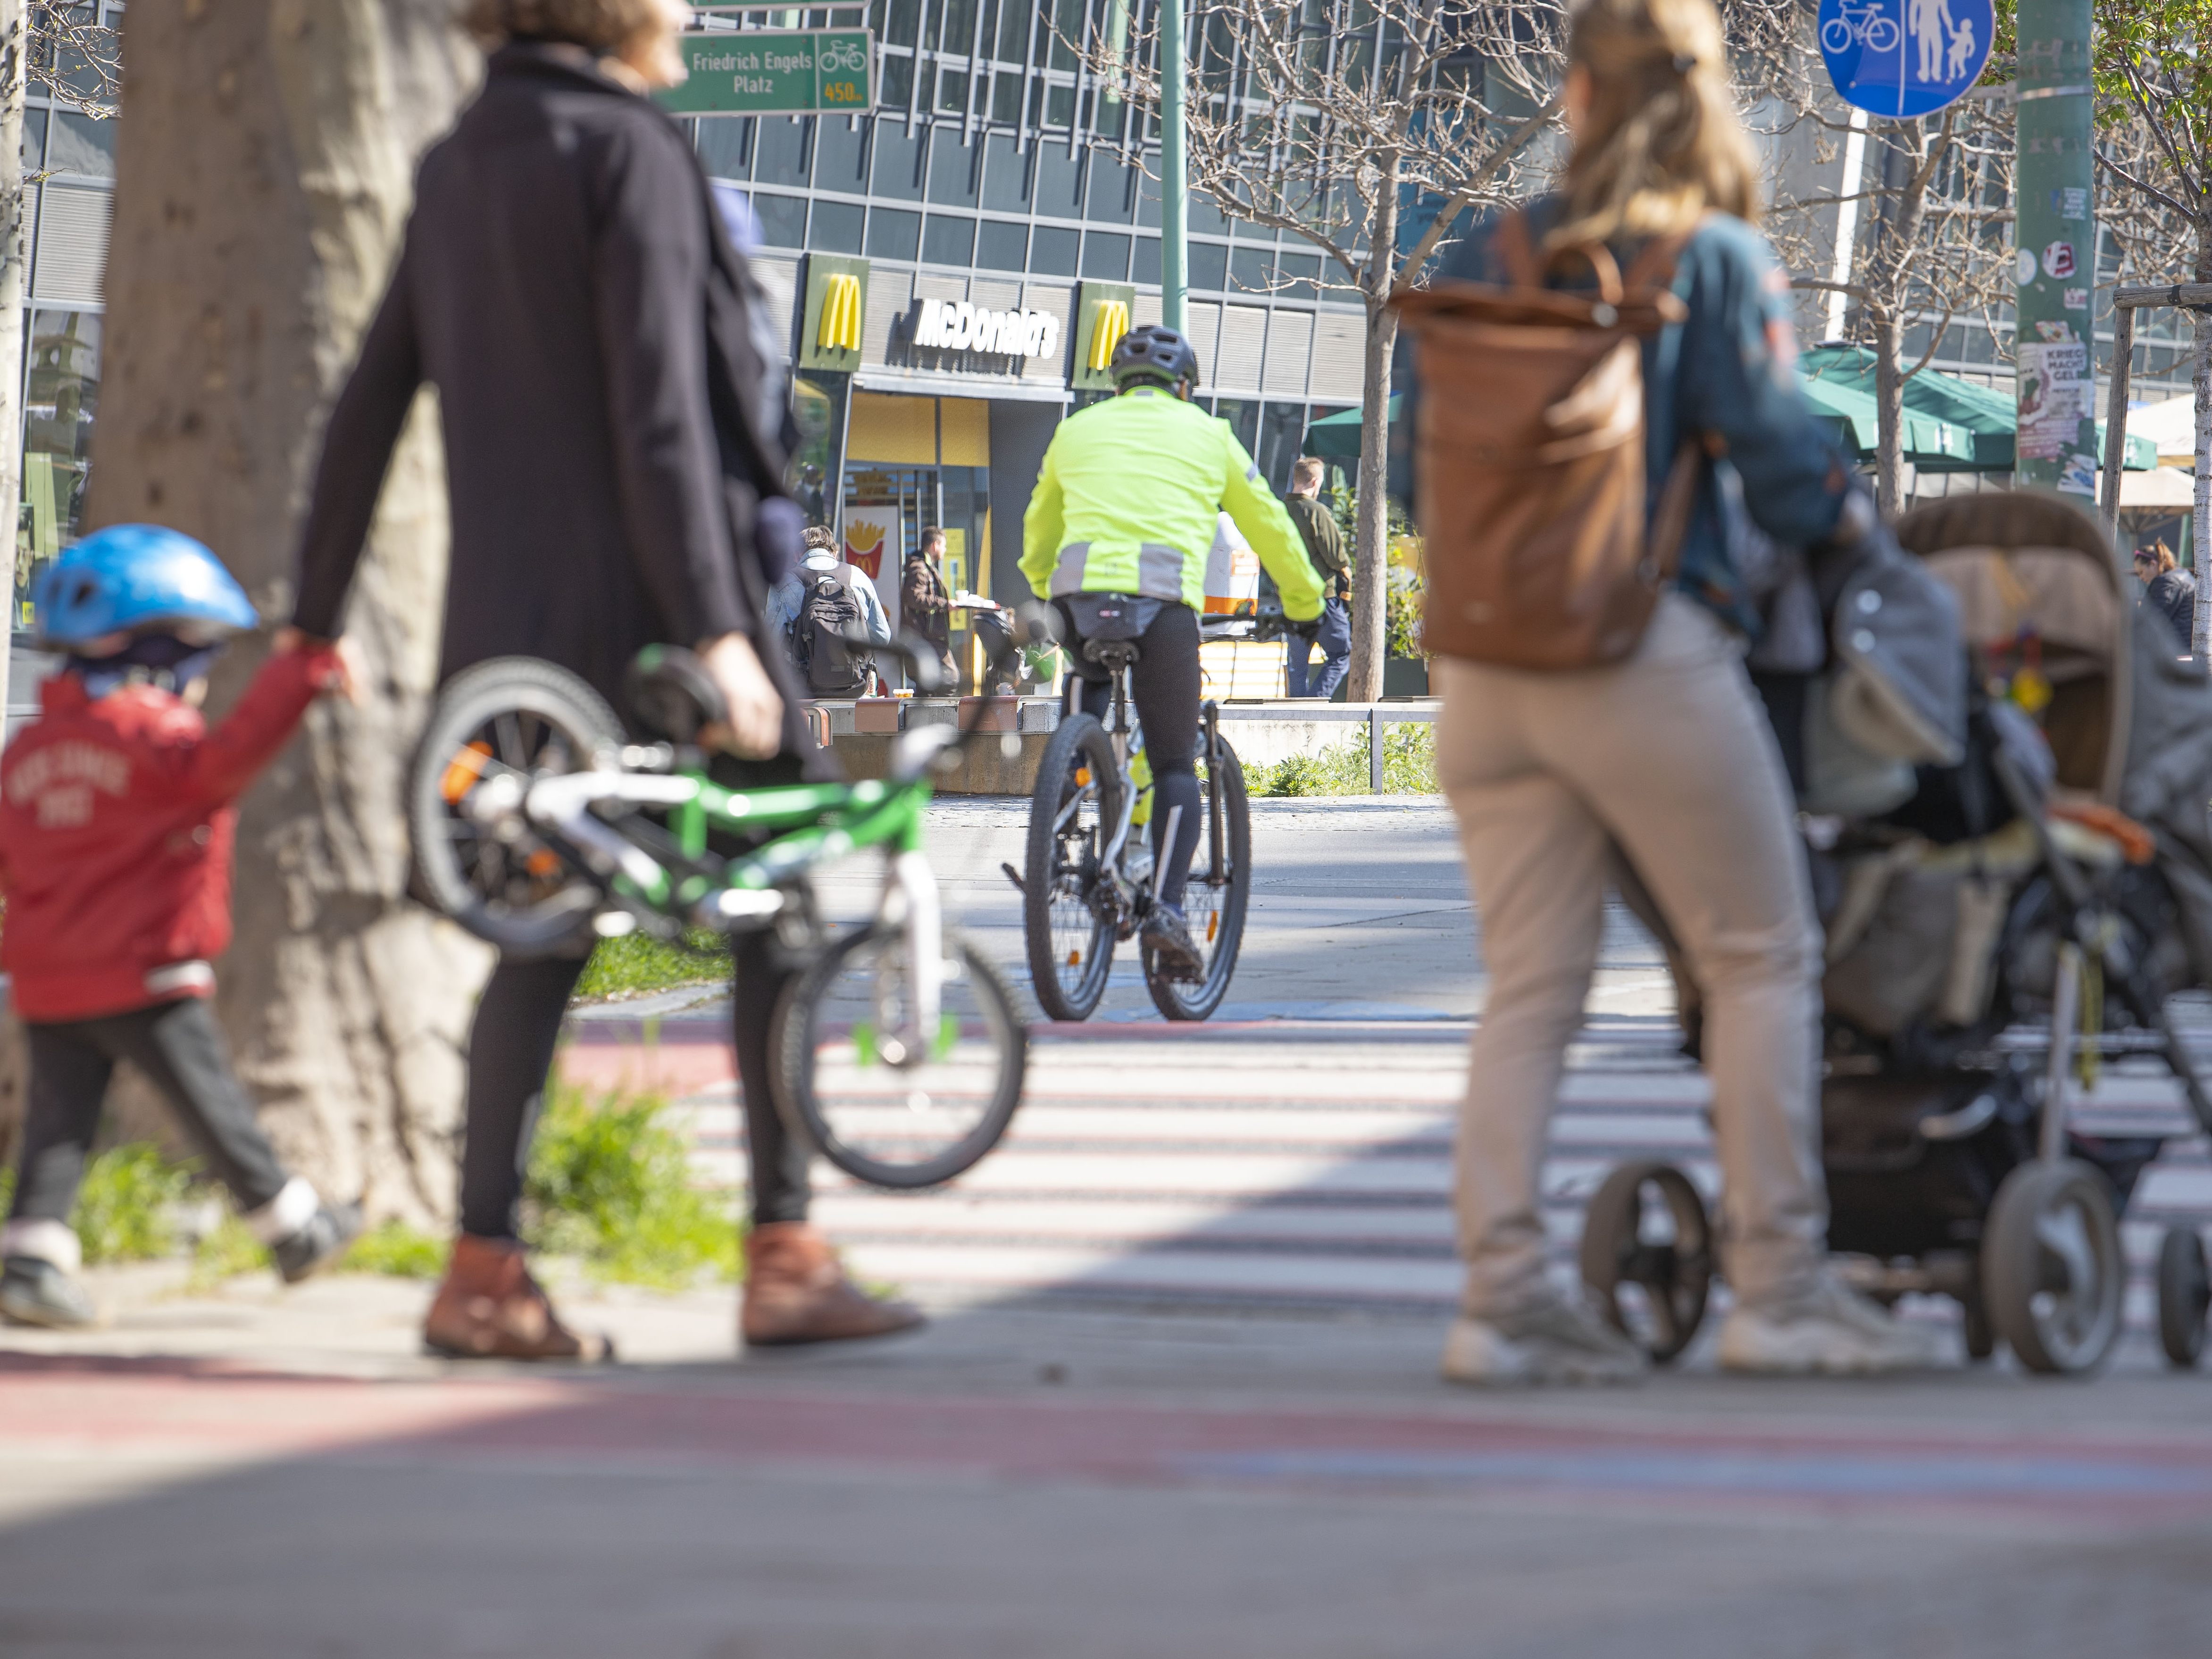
(1648, 1255)
(2185, 1293)
(2052, 1266)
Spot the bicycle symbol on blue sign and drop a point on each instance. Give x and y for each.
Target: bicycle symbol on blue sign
(1905, 57)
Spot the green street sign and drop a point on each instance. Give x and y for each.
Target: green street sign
(776, 72)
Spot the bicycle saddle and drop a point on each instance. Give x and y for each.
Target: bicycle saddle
(1113, 655)
(671, 696)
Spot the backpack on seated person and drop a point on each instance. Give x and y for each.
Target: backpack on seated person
(1542, 548)
(828, 612)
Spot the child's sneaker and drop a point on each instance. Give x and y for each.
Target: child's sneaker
(36, 1292)
(317, 1245)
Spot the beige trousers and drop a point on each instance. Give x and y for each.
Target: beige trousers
(1670, 754)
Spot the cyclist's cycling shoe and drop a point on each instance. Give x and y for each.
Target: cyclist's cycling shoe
(1169, 935)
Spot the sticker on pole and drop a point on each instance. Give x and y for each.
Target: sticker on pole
(1905, 57)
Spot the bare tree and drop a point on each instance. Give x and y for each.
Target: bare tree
(263, 173)
(1330, 120)
(2154, 83)
(63, 53)
(1931, 247)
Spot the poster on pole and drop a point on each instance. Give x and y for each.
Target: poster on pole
(1902, 59)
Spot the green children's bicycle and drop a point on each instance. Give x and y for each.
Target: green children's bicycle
(896, 1050)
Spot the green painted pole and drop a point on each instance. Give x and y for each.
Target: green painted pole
(2057, 245)
(1174, 197)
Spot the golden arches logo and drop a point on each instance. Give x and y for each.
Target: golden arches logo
(1109, 323)
(839, 329)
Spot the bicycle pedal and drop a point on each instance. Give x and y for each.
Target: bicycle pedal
(1013, 876)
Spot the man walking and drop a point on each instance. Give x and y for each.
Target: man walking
(1325, 547)
(925, 602)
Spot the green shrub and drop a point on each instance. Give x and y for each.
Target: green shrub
(611, 1183)
(1409, 767)
(637, 962)
(397, 1251)
(228, 1250)
(125, 1209)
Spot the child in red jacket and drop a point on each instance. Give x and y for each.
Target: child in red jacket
(116, 821)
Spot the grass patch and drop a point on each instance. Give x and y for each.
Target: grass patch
(611, 1183)
(226, 1251)
(397, 1251)
(127, 1208)
(637, 964)
(1409, 767)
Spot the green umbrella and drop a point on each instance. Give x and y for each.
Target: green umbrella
(1336, 437)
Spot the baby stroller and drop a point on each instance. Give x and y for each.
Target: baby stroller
(1995, 930)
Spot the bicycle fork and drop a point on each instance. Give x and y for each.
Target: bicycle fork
(912, 902)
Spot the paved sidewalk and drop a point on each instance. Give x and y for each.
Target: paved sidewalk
(258, 1473)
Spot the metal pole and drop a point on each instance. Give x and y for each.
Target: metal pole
(1374, 749)
(1174, 204)
(2116, 415)
(2056, 245)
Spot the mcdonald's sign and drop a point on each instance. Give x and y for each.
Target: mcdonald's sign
(1102, 317)
(831, 322)
(1108, 324)
(840, 327)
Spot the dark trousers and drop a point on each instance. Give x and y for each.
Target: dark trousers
(511, 1053)
(180, 1050)
(1164, 683)
(1336, 643)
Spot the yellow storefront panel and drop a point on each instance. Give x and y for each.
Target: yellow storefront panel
(892, 430)
(965, 431)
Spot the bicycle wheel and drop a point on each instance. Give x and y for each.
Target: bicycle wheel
(901, 1126)
(511, 718)
(1881, 35)
(1836, 35)
(1074, 810)
(1215, 900)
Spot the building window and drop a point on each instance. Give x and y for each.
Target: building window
(1053, 250)
(1106, 255)
(78, 143)
(724, 146)
(949, 241)
(780, 152)
(1146, 267)
(893, 234)
(61, 396)
(1208, 263)
(782, 219)
(1000, 245)
(836, 227)
(1249, 269)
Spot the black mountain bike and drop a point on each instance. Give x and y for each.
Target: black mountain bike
(1087, 882)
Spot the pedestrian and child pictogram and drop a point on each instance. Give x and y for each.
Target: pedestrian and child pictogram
(1905, 57)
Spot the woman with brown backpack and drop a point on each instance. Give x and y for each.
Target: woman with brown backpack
(1591, 636)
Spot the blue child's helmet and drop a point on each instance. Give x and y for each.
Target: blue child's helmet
(135, 579)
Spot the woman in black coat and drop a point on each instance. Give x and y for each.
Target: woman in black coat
(610, 441)
(2169, 591)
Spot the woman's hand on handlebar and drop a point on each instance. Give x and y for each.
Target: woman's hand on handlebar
(755, 729)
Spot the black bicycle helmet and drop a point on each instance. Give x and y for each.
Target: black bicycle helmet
(1150, 352)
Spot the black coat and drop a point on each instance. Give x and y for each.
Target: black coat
(567, 287)
(2173, 595)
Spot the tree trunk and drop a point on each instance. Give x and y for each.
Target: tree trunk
(1371, 533)
(264, 171)
(1889, 415)
(14, 53)
(2201, 525)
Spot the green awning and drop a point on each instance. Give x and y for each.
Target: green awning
(1336, 437)
(1951, 425)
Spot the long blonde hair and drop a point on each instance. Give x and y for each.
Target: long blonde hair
(1661, 144)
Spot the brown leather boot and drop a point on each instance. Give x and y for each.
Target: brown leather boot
(490, 1308)
(796, 1292)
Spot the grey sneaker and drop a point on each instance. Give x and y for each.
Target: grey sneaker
(1169, 934)
(318, 1244)
(35, 1291)
(1553, 1340)
(1829, 1329)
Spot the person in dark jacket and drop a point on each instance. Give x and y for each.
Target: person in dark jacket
(1317, 529)
(2168, 590)
(925, 602)
(614, 473)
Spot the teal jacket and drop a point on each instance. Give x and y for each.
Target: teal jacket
(1728, 374)
(1128, 497)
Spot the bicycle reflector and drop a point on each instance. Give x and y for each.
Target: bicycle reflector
(463, 772)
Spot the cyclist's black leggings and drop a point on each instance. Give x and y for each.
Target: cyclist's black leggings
(1164, 684)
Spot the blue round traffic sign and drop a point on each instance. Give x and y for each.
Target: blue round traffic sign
(1905, 57)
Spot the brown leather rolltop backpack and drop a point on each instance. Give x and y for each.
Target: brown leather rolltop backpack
(1542, 547)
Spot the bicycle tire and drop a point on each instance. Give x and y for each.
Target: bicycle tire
(1836, 35)
(797, 1041)
(1080, 742)
(1882, 36)
(1218, 927)
(533, 713)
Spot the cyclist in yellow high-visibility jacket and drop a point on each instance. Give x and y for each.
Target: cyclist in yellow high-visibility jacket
(1117, 535)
